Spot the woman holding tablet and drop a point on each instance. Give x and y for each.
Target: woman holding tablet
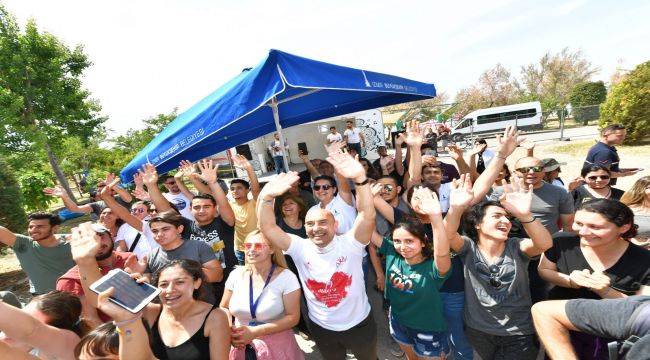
(182, 327)
(264, 298)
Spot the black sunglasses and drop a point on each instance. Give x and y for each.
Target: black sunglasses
(388, 187)
(596, 177)
(527, 169)
(324, 187)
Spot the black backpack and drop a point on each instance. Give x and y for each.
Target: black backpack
(634, 347)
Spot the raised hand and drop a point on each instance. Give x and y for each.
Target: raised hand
(208, 170)
(241, 162)
(84, 243)
(57, 191)
(347, 166)
(335, 147)
(414, 136)
(400, 139)
(477, 149)
(149, 174)
(517, 199)
(455, 151)
(141, 194)
(462, 192)
(137, 180)
(429, 160)
(425, 201)
(109, 178)
(133, 265)
(575, 183)
(117, 313)
(279, 185)
(186, 169)
(376, 189)
(507, 143)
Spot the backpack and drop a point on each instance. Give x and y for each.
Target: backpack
(634, 347)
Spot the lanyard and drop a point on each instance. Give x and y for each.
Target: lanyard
(253, 304)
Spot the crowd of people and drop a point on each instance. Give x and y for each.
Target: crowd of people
(471, 259)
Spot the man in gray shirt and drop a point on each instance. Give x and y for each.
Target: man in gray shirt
(167, 228)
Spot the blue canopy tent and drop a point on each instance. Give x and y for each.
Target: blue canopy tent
(282, 91)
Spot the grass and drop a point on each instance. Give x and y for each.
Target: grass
(580, 148)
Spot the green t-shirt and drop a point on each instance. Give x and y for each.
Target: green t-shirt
(43, 265)
(413, 291)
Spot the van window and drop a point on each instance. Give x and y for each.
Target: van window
(464, 123)
(506, 116)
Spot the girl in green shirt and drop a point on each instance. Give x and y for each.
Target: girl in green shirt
(413, 276)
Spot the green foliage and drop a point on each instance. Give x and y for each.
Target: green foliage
(585, 94)
(12, 214)
(32, 184)
(628, 103)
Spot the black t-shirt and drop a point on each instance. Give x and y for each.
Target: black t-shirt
(629, 273)
(289, 230)
(456, 281)
(213, 233)
(581, 195)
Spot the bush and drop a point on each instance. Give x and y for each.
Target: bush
(628, 103)
(32, 184)
(12, 214)
(582, 96)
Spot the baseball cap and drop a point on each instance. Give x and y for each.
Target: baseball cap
(99, 228)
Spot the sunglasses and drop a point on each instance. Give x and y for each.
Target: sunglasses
(324, 187)
(596, 177)
(492, 271)
(528, 169)
(254, 246)
(388, 187)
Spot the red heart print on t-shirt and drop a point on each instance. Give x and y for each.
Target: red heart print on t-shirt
(334, 291)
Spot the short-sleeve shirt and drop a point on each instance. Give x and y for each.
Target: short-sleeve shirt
(606, 155)
(128, 234)
(70, 282)
(245, 221)
(383, 226)
(334, 137)
(218, 235)
(270, 306)
(43, 265)
(181, 203)
(413, 291)
(455, 281)
(344, 213)
(332, 280)
(629, 273)
(548, 203)
(189, 250)
(497, 302)
(581, 195)
(449, 172)
(353, 135)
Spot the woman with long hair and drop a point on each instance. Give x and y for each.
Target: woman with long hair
(595, 185)
(417, 264)
(264, 298)
(497, 293)
(638, 199)
(371, 172)
(48, 327)
(292, 211)
(597, 263)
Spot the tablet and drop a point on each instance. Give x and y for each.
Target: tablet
(129, 294)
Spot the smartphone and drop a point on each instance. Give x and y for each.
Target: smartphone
(129, 294)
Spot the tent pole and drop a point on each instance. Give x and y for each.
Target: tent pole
(278, 128)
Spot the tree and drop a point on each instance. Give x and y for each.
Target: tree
(42, 100)
(551, 80)
(585, 94)
(495, 87)
(12, 214)
(628, 103)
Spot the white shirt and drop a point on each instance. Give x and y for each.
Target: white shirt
(146, 243)
(181, 203)
(334, 137)
(488, 155)
(270, 306)
(278, 144)
(353, 135)
(444, 192)
(343, 213)
(332, 279)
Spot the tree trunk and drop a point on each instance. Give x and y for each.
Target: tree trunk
(54, 162)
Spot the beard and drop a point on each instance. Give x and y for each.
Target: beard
(46, 236)
(103, 256)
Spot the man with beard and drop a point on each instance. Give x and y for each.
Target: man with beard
(42, 255)
(107, 259)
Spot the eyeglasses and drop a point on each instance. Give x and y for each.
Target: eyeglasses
(527, 169)
(388, 187)
(596, 177)
(492, 271)
(254, 246)
(324, 187)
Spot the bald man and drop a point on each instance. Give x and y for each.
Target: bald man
(330, 265)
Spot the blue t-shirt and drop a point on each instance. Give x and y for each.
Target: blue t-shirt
(603, 154)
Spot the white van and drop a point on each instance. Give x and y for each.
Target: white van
(523, 116)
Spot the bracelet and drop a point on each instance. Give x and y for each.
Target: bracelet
(528, 222)
(119, 324)
(364, 182)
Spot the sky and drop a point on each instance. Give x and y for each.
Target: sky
(150, 57)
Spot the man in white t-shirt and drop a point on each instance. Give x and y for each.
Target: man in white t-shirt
(334, 136)
(277, 153)
(129, 239)
(178, 195)
(354, 137)
(330, 265)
